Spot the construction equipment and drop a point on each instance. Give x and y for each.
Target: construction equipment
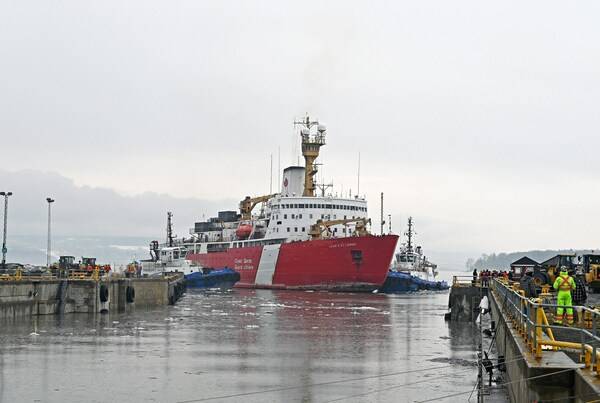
(591, 268)
(550, 269)
(67, 266)
(248, 204)
(322, 229)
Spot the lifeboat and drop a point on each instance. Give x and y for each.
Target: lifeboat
(243, 231)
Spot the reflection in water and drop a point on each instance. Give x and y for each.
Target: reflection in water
(296, 346)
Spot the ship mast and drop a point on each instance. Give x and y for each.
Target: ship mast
(409, 234)
(169, 229)
(311, 144)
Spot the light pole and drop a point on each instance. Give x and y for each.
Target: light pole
(49, 249)
(4, 250)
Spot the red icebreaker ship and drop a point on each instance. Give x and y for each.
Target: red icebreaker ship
(298, 240)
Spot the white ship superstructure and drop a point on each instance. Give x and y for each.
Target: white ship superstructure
(410, 259)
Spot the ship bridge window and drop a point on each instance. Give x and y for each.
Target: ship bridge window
(299, 215)
(328, 206)
(285, 216)
(295, 206)
(301, 205)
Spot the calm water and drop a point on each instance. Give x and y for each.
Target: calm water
(244, 346)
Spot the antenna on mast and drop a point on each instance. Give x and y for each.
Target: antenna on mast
(271, 182)
(312, 141)
(358, 190)
(279, 165)
(170, 236)
(381, 212)
(409, 234)
(323, 187)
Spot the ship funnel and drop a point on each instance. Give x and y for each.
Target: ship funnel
(293, 181)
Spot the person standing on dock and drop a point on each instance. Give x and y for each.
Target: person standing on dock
(579, 294)
(564, 284)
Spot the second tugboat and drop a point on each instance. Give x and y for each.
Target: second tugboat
(298, 240)
(411, 270)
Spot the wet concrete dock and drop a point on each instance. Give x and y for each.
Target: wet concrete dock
(23, 297)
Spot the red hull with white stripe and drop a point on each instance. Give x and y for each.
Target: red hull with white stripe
(341, 264)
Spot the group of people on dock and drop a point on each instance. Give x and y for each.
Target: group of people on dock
(569, 285)
(485, 276)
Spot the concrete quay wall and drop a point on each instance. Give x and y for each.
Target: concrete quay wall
(463, 303)
(22, 298)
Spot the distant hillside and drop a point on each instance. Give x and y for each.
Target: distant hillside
(503, 260)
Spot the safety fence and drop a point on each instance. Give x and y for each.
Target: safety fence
(465, 281)
(533, 321)
(95, 275)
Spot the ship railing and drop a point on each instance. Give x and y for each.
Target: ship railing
(531, 318)
(465, 281)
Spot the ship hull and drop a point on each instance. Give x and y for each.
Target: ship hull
(401, 282)
(340, 264)
(224, 279)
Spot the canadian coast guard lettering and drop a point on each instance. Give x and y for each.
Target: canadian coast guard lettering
(243, 264)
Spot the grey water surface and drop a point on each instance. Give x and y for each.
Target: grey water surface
(245, 346)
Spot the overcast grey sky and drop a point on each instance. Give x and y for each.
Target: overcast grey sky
(480, 119)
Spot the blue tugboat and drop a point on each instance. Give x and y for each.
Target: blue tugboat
(171, 258)
(411, 271)
(222, 278)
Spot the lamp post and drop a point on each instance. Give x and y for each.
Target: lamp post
(49, 249)
(4, 250)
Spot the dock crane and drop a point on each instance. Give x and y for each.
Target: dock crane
(248, 204)
(322, 228)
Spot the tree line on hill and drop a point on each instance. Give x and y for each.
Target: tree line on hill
(503, 260)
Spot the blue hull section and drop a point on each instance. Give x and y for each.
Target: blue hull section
(398, 282)
(222, 278)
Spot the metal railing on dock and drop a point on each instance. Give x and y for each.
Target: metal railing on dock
(529, 317)
(465, 281)
(18, 275)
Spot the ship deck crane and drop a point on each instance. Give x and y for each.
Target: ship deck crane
(248, 204)
(323, 226)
